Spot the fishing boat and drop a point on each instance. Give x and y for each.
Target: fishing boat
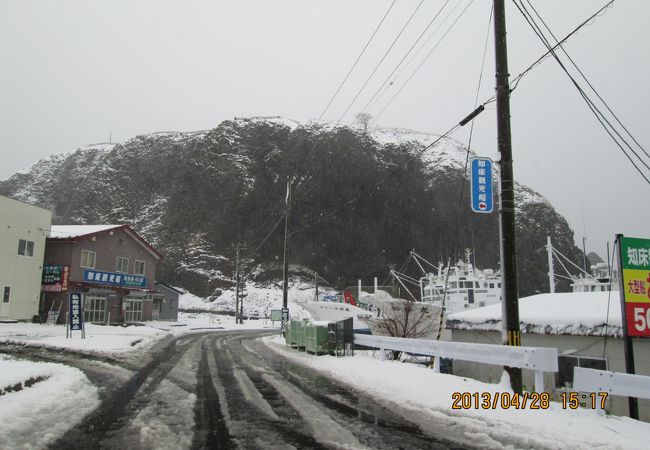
(602, 278)
(330, 308)
(456, 288)
(379, 313)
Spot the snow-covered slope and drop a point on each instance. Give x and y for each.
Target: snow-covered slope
(193, 195)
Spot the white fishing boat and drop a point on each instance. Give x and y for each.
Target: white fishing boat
(459, 287)
(603, 277)
(378, 313)
(330, 309)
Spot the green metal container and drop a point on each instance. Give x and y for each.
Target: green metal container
(296, 335)
(316, 338)
(301, 325)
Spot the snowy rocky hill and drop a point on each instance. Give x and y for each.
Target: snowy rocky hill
(360, 201)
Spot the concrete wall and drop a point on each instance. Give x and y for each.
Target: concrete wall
(571, 345)
(22, 274)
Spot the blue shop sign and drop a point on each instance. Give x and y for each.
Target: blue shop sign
(114, 279)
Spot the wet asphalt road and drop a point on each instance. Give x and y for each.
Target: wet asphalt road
(228, 390)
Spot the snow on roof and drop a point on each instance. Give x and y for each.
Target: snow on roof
(72, 231)
(574, 313)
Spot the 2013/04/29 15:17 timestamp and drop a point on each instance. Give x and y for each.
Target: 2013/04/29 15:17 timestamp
(526, 400)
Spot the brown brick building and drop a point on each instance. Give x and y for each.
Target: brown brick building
(111, 265)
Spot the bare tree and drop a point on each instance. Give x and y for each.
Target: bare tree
(364, 119)
(408, 319)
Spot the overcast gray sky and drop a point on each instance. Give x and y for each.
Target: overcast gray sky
(75, 71)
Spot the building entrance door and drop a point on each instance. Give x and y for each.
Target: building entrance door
(5, 304)
(133, 309)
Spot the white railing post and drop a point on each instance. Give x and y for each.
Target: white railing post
(539, 381)
(436, 364)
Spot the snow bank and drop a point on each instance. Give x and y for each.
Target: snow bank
(426, 399)
(99, 339)
(576, 313)
(36, 416)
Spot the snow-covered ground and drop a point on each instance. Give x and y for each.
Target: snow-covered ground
(60, 397)
(259, 300)
(39, 402)
(99, 339)
(427, 399)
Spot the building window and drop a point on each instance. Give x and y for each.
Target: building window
(88, 259)
(566, 363)
(138, 267)
(6, 294)
(95, 307)
(25, 247)
(122, 265)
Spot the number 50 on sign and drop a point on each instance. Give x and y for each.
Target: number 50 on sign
(635, 258)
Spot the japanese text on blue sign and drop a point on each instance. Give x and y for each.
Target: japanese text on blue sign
(114, 279)
(482, 185)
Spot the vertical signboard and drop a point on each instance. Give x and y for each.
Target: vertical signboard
(482, 185)
(635, 258)
(75, 309)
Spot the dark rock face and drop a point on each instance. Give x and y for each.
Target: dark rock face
(360, 201)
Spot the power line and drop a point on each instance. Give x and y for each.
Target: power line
(422, 46)
(379, 63)
(584, 77)
(357, 61)
(478, 90)
(424, 60)
(605, 123)
(591, 18)
(406, 55)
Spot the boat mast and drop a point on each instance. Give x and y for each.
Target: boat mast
(511, 334)
(551, 272)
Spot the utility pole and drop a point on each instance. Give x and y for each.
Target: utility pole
(242, 294)
(237, 287)
(511, 334)
(316, 283)
(285, 271)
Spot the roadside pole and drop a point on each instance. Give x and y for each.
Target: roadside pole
(285, 270)
(511, 334)
(237, 287)
(628, 349)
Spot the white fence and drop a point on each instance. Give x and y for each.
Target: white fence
(614, 383)
(538, 359)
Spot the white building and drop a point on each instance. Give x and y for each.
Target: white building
(23, 229)
(585, 327)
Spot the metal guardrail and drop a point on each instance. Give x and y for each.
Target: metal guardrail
(538, 359)
(614, 383)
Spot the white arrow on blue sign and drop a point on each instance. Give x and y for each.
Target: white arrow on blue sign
(482, 185)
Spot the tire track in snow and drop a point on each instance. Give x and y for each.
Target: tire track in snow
(123, 406)
(249, 428)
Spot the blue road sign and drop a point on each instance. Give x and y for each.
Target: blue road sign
(482, 185)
